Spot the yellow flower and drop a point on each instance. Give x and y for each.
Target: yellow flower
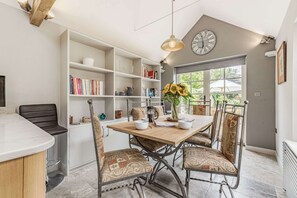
(180, 90)
(166, 89)
(184, 92)
(173, 88)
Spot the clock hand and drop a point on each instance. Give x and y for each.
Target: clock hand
(202, 43)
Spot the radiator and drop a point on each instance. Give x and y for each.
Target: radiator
(290, 168)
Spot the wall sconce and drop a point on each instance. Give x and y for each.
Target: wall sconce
(163, 63)
(266, 39)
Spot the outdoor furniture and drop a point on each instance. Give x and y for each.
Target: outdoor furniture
(173, 137)
(227, 160)
(120, 165)
(45, 117)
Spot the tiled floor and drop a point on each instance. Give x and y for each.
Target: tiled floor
(260, 177)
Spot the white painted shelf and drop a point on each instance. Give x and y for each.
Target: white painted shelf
(127, 75)
(91, 96)
(155, 97)
(150, 80)
(89, 68)
(128, 96)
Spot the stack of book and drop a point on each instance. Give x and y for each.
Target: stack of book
(80, 86)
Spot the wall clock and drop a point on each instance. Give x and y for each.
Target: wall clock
(204, 42)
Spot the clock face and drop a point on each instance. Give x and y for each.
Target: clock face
(204, 42)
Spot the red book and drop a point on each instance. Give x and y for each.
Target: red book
(151, 74)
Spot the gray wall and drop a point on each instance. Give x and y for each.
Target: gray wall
(234, 41)
(286, 93)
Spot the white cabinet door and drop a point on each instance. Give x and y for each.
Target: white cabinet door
(82, 150)
(115, 141)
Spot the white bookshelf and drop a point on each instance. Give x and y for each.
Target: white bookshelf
(117, 69)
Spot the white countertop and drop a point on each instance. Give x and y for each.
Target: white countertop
(19, 137)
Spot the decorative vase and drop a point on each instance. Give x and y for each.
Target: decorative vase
(174, 112)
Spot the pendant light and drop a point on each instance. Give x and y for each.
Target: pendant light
(172, 44)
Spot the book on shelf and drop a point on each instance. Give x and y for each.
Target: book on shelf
(80, 86)
(151, 74)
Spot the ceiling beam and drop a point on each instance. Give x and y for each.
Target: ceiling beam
(40, 10)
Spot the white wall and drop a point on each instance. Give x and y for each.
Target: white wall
(286, 93)
(29, 58)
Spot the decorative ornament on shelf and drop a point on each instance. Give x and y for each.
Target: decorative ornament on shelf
(173, 94)
(39, 11)
(172, 44)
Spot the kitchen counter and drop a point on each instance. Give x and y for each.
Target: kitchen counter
(19, 137)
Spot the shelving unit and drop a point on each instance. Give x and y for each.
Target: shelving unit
(117, 69)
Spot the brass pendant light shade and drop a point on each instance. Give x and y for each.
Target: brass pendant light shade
(172, 44)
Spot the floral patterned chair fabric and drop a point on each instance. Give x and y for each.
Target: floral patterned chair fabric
(149, 144)
(227, 161)
(160, 110)
(229, 137)
(199, 110)
(138, 113)
(200, 139)
(99, 140)
(206, 159)
(125, 164)
(117, 165)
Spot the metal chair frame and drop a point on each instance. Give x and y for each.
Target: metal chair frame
(137, 183)
(144, 104)
(214, 138)
(238, 151)
(206, 103)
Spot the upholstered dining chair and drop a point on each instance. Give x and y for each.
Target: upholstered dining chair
(120, 165)
(227, 160)
(138, 111)
(203, 137)
(199, 107)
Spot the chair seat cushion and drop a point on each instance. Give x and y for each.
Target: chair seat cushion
(207, 160)
(149, 144)
(54, 130)
(201, 139)
(124, 164)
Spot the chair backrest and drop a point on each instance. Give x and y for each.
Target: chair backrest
(199, 107)
(42, 115)
(138, 109)
(233, 132)
(98, 140)
(217, 120)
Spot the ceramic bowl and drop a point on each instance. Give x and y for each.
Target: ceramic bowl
(141, 125)
(184, 124)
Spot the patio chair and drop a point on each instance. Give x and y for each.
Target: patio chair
(120, 165)
(227, 160)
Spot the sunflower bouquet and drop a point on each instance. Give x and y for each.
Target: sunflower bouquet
(173, 94)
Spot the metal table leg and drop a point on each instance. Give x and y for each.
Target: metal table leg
(159, 157)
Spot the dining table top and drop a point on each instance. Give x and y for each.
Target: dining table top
(164, 134)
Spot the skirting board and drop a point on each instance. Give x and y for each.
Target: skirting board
(260, 150)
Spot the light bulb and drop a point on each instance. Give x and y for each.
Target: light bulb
(172, 43)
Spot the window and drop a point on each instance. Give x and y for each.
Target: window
(215, 84)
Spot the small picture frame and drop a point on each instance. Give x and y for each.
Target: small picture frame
(282, 63)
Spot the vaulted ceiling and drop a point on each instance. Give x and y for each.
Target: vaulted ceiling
(141, 26)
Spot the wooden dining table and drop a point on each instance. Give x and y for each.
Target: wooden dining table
(172, 137)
